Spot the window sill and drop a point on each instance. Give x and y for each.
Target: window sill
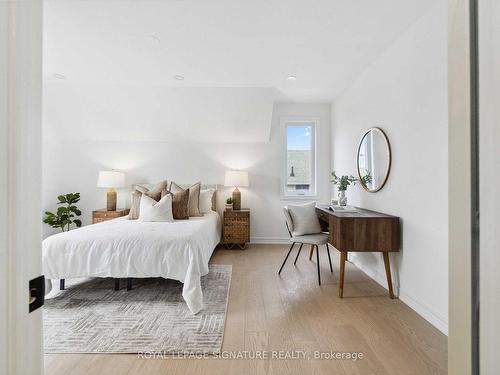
(299, 197)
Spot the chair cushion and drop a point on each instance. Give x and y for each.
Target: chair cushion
(304, 219)
(312, 239)
(288, 219)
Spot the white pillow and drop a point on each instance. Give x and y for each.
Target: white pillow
(304, 219)
(206, 200)
(152, 210)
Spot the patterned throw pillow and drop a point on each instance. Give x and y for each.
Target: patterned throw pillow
(180, 203)
(194, 197)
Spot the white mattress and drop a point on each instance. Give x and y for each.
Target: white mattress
(129, 248)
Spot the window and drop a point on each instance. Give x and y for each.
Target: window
(299, 174)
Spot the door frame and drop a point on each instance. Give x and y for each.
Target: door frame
(460, 188)
(20, 184)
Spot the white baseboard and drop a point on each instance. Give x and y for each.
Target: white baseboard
(270, 240)
(421, 309)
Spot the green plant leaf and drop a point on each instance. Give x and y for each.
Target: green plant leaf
(63, 217)
(75, 210)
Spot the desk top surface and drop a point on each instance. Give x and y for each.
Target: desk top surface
(361, 213)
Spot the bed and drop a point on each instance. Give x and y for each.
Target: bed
(123, 248)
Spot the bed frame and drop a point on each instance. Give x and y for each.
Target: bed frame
(215, 206)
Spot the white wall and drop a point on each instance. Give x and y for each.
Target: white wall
(405, 93)
(72, 165)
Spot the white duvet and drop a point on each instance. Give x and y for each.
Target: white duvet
(129, 248)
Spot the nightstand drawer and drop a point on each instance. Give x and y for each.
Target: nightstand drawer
(111, 214)
(234, 214)
(103, 215)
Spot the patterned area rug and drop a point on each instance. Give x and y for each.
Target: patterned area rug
(91, 317)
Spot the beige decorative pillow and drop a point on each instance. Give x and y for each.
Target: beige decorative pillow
(194, 197)
(135, 205)
(206, 200)
(154, 192)
(180, 203)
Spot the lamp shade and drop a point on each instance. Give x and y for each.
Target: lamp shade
(236, 178)
(111, 179)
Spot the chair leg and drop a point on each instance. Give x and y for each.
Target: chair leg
(311, 252)
(61, 284)
(329, 258)
(297, 257)
(287, 255)
(129, 283)
(317, 261)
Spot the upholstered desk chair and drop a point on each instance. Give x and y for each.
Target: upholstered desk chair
(313, 239)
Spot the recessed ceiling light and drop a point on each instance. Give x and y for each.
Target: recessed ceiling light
(59, 76)
(291, 78)
(178, 77)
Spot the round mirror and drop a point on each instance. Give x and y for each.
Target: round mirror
(374, 160)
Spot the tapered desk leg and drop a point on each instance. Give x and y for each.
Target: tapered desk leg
(343, 257)
(387, 264)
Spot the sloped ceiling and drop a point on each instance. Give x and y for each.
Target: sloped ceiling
(124, 113)
(119, 59)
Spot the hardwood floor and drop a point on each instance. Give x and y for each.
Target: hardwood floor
(267, 312)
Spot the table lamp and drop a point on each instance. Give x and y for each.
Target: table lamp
(236, 179)
(111, 180)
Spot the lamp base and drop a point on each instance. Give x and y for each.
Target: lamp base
(111, 200)
(236, 199)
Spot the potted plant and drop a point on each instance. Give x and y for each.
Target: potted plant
(65, 215)
(229, 203)
(342, 183)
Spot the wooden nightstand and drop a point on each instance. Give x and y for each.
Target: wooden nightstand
(104, 215)
(236, 227)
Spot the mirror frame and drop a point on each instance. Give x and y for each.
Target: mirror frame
(390, 159)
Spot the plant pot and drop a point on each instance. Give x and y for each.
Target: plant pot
(342, 198)
(229, 206)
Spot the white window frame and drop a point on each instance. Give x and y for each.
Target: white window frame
(312, 193)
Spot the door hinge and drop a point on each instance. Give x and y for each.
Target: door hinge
(36, 293)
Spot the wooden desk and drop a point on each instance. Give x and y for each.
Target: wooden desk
(363, 231)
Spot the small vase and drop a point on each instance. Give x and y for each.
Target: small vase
(342, 198)
(229, 206)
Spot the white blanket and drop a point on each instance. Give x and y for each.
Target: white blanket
(129, 248)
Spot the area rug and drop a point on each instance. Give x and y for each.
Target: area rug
(91, 317)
